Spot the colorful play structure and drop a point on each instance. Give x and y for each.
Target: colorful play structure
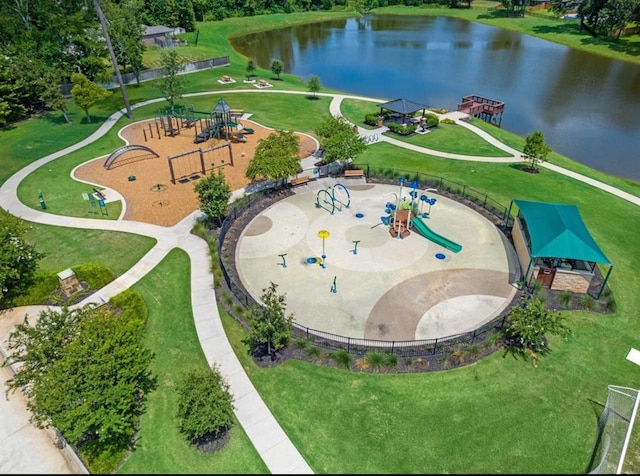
(333, 198)
(221, 124)
(404, 215)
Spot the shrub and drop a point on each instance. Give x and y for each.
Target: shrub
(587, 302)
(313, 352)
(432, 120)
(448, 120)
(300, 343)
(205, 406)
(375, 359)
(390, 360)
(459, 355)
(405, 130)
(371, 119)
(342, 358)
(362, 363)
(564, 298)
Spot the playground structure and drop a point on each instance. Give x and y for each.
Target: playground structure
(192, 164)
(333, 198)
(404, 215)
(221, 124)
(119, 152)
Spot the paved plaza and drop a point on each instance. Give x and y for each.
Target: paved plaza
(373, 285)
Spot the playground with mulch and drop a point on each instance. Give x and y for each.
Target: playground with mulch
(156, 181)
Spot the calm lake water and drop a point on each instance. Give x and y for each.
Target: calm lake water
(587, 106)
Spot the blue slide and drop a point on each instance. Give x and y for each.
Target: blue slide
(429, 234)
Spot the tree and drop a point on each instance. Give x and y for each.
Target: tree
(314, 85)
(126, 31)
(171, 84)
(276, 157)
(52, 95)
(337, 139)
(112, 55)
(535, 149)
(527, 328)
(251, 69)
(205, 406)
(86, 93)
(276, 67)
(270, 326)
(213, 195)
(18, 259)
(87, 372)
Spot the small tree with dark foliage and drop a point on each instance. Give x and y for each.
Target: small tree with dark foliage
(527, 328)
(213, 195)
(205, 408)
(270, 326)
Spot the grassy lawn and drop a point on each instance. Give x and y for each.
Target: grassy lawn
(526, 420)
(171, 335)
(67, 247)
(445, 138)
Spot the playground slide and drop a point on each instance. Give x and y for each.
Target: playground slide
(429, 234)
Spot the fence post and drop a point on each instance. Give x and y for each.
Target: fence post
(435, 346)
(348, 345)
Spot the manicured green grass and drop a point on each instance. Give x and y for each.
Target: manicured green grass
(67, 247)
(449, 138)
(171, 335)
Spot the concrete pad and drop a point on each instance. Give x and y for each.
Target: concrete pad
(372, 285)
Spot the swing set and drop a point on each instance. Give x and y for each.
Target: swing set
(192, 165)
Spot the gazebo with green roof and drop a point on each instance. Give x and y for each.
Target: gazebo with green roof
(555, 247)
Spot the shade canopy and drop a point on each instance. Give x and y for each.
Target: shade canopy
(557, 231)
(402, 106)
(221, 107)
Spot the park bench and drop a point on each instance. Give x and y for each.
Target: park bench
(299, 180)
(354, 173)
(236, 112)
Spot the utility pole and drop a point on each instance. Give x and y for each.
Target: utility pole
(105, 32)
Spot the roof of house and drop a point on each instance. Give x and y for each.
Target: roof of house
(156, 30)
(557, 231)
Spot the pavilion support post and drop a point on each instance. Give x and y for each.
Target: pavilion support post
(526, 274)
(604, 283)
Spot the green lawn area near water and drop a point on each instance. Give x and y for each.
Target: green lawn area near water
(497, 415)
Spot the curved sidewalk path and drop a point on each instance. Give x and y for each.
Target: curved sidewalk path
(271, 442)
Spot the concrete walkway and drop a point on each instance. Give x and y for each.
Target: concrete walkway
(267, 436)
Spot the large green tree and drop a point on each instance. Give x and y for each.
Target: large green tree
(271, 328)
(276, 157)
(338, 140)
(18, 259)
(87, 371)
(213, 195)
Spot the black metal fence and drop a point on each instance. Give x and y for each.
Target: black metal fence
(248, 207)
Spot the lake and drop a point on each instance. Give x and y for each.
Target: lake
(587, 106)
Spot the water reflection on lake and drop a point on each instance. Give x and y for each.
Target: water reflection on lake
(586, 105)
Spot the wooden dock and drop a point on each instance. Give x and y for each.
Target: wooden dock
(486, 109)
